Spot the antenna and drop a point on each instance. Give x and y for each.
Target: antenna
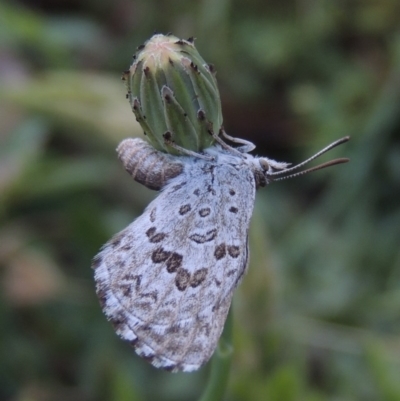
(310, 170)
(319, 167)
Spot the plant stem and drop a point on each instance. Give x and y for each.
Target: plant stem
(220, 364)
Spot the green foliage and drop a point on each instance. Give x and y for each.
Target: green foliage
(317, 316)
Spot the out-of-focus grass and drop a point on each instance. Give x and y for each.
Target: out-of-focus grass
(317, 317)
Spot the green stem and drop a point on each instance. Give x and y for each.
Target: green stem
(220, 364)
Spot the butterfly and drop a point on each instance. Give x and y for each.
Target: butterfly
(166, 281)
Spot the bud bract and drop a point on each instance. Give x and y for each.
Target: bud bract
(173, 93)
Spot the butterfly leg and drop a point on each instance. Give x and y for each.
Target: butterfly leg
(223, 144)
(247, 145)
(169, 141)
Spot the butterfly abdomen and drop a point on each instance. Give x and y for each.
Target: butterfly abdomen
(147, 165)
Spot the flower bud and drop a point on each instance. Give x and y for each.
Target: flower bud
(173, 91)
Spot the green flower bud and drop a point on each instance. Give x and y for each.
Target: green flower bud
(173, 93)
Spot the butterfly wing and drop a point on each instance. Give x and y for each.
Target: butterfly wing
(167, 280)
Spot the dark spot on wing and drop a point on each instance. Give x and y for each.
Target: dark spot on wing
(153, 295)
(179, 186)
(174, 329)
(116, 240)
(233, 251)
(182, 279)
(202, 238)
(150, 232)
(160, 255)
(198, 277)
(126, 289)
(196, 348)
(220, 251)
(204, 212)
(208, 168)
(146, 306)
(120, 263)
(138, 279)
(233, 209)
(174, 262)
(206, 328)
(211, 190)
(157, 238)
(184, 209)
(153, 215)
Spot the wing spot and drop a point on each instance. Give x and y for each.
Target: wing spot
(151, 231)
(206, 328)
(138, 279)
(116, 239)
(182, 279)
(174, 262)
(153, 237)
(233, 209)
(174, 347)
(220, 251)
(153, 215)
(126, 289)
(198, 277)
(174, 329)
(146, 306)
(120, 263)
(201, 239)
(128, 277)
(185, 209)
(204, 212)
(160, 255)
(208, 168)
(179, 186)
(232, 192)
(211, 190)
(153, 295)
(157, 238)
(196, 348)
(233, 251)
(196, 192)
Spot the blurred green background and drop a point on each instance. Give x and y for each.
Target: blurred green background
(318, 315)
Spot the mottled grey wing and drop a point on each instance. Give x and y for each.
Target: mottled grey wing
(167, 280)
